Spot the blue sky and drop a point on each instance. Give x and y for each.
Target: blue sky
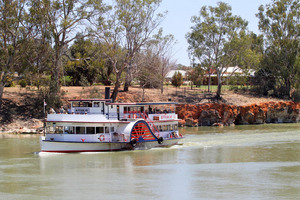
(180, 12)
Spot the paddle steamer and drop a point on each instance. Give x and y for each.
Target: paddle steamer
(94, 125)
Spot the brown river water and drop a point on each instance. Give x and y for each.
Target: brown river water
(241, 162)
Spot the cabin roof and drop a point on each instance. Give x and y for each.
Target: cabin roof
(90, 100)
(143, 103)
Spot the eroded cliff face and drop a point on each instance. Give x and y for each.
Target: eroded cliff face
(225, 115)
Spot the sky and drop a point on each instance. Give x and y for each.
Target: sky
(178, 20)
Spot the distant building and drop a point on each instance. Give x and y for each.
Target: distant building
(171, 73)
(229, 71)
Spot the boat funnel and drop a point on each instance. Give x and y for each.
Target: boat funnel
(107, 93)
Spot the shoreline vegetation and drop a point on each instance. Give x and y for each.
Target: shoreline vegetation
(196, 107)
(121, 43)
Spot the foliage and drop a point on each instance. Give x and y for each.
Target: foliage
(154, 62)
(279, 23)
(123, 32)
(82, 67)
(196, 75)
(139, 20)
(23, 83)
(177, 79)
(15, 29)
(58, 22)
(220, 40)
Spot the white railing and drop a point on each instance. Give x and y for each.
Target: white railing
(76, 118)
(110, 116)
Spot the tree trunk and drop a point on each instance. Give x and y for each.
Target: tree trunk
(143, 97)
(218, 95)
(1, 93)
(116, 88)
(56, 72)
(126, 85)
(209, 82)
(288, 89)
(162, 87)
(127, 79)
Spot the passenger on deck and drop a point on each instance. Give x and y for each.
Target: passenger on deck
(150, 110)
(62, 110)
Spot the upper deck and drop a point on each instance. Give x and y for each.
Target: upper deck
(102, 110)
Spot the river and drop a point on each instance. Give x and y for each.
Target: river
(241, 162)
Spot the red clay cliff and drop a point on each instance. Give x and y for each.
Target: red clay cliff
(221, 114)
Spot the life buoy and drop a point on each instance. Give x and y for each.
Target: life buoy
(160, 140)
(102, 138)
(133, 142)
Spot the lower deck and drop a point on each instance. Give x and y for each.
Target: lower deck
(74, 147)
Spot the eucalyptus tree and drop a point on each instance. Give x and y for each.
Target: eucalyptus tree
(158, 59)
(148, 75)
(60, 21)
(15, 31)
(210, 40)
(125, 30)
(279, 23)
(138, 20)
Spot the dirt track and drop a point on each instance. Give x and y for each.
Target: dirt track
(181, 95)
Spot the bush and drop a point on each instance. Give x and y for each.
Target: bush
(67, 80)
(23, 83)
(177, 79)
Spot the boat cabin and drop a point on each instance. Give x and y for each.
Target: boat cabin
(89, 106)
(101, 116)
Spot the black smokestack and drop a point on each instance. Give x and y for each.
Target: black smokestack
(107, 93)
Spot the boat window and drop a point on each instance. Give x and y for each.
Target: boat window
(80, 130)
(96, 104)
(106, 129)
(86, 104)
(175, 126)
(90, 130)
(59, 129)
(67, 129)
(112, 129)
(50, 129)
(75, 104)
(165, 127)
(159, 127)
(99, 129)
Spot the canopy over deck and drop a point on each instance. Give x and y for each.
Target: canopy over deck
(90, 100)
(144, 103)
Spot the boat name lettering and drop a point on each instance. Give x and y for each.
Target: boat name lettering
(167, 117)
(82, 110)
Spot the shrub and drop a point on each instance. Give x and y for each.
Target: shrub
(23, 83)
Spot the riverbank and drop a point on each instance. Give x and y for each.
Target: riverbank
(20, 126)
(196, 107)
(213, 114)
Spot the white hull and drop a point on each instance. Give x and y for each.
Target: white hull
(73, 147)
